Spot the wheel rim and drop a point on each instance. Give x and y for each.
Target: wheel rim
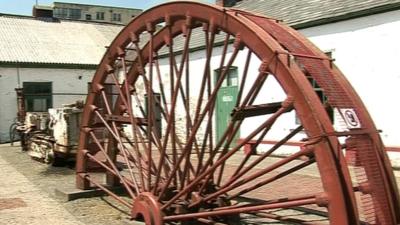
(183, 180)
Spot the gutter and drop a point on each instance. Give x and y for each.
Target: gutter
(48, 65)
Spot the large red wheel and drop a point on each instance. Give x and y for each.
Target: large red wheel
(152, 123)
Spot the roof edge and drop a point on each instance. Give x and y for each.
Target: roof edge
(348, 16)
(18, 16)
(48, 65)
(105, 6)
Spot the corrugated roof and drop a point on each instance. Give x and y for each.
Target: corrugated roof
(299, 13)
(29, 40)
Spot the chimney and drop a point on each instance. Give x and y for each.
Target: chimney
(226, 3)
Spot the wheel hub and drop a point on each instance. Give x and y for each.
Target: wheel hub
(146, 207)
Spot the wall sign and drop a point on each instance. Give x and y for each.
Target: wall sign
(350, 118)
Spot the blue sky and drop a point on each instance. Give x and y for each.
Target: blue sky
(24, 7)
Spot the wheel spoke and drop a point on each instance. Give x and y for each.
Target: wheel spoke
(138, 138)
(189, 143)
(239, 173)
(273, 178)
(112, 164)
(105, 189)
(255, 175)
(170, 121)
(121, 145)
(244, 209)
(223, 158)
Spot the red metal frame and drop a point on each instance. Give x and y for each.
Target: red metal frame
(174, 178)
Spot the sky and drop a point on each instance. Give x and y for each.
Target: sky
(24, 7)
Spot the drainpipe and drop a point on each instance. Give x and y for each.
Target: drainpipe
(20, 98)
(18, 76)
(20, 104)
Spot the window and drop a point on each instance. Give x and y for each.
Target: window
(99, 15)
(75, 14)
(231, 78)
(60, 12)
(322, 97)
(116, 17)
(318, 90)
(67, 13)
(38, 96)
(88, 17)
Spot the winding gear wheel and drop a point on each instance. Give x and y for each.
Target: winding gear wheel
(152, 123)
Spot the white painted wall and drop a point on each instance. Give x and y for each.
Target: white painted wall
(63, 81)
(367, 50)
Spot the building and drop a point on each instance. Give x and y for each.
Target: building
(361, 36)
(98, 13)
(53, 60)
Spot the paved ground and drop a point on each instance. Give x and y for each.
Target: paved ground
(22, 201)
(27, 194)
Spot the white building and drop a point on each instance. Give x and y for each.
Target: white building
(361, 36)
(52, 60)
(98, 13)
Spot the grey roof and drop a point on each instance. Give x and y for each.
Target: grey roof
(29, 40)
(303, 13)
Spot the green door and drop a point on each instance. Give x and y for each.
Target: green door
(226, 101)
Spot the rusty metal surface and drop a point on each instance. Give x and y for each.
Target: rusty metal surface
(377, 207)
(180, 173)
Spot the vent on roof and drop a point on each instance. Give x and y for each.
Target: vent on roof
(226, 3)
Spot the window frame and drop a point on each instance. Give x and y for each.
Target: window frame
(30, 95)
(116, 17)
(100, 15)
(75, 14)
(233, 72)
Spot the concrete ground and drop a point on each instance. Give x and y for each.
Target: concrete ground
(27, 194)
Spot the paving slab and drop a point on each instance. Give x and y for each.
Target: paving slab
(21, 202)
(70, 192)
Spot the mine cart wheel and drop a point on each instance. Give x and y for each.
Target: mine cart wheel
(154, 122)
